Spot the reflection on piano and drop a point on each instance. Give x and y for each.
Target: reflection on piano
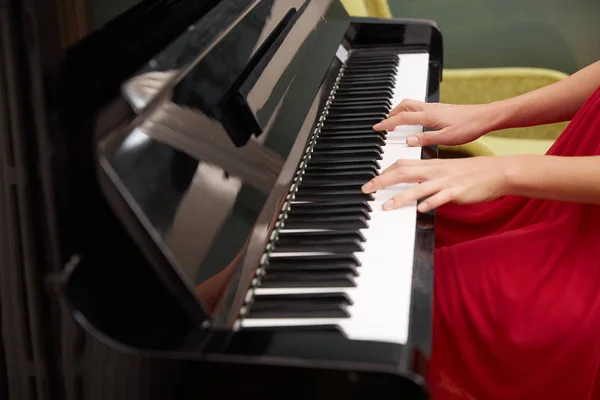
(226, 238)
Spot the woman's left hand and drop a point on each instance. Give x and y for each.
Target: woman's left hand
(463, 180)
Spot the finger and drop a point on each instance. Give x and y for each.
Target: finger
(411, 174)
(439, 199)
(427, 138)
(415, 193)
(404, 118)
(402, 163)
(408, 105)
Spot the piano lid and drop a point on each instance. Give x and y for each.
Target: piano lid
(218, 113)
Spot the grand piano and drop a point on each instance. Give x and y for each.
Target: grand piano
(185, 208)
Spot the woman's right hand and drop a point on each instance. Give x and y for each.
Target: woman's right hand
(453, 124)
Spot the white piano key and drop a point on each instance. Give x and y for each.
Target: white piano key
(381, 299)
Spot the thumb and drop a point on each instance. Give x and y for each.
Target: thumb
(427, 138)
(404, 118)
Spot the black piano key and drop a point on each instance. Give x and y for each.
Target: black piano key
(343, 97)
(370, 93)
(369, 88)
(359, 130)
(365, 84)
(292, 270)
(367, 64)
(348, 128)
(346, 178)
(363, 147)
(390, 59)
(338, 297)
(329, 207)
(348, 80)
(362, 166)
(358, 102)
(364, 95)
(349, 247)
(315, 306)
(367, 69)
(343, 157)
(388, 83)
(358, 110)
(342, 146)
(346, 134)
(358, 118)
(325, 261)
(334, 198)
(320, 217)
(374, 58)
(303, 280)
(321, 237)
(353, 112)
(374, 150)
(336, 181)
(330, 190)
(351, 139)
(332, 170)
(371, 54)
(368, 53)
(343, 224)
(381, 75)
(364, 72)
(379, 102)
(320, 329)
(356, 64)
(348, 143)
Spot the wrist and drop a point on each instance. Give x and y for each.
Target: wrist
(515, 169)
(499, 114)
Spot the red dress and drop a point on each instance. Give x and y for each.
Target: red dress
(517, 292)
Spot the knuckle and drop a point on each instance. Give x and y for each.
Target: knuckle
(399, 116)
(378, 182)
(454, 192)
(426, 136)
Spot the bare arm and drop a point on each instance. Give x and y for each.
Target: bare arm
(573, 179)
(553, 103)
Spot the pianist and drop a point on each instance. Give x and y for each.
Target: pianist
(517, 282)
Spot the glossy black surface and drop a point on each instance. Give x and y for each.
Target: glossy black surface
(203, 211)
(406, 361)
(135, 294)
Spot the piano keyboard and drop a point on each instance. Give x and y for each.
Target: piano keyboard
(339, 261)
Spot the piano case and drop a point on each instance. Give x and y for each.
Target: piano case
(113, 325)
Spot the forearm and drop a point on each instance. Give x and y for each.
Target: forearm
(557, 102)
(572, 179)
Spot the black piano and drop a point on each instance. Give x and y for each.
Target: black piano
(181, 192)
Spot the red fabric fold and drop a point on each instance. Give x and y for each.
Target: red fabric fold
(517, 292)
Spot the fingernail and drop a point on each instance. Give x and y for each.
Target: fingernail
(377, 126)
(388, 205)
(368, 187)
(423, 207)
(412, 140)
